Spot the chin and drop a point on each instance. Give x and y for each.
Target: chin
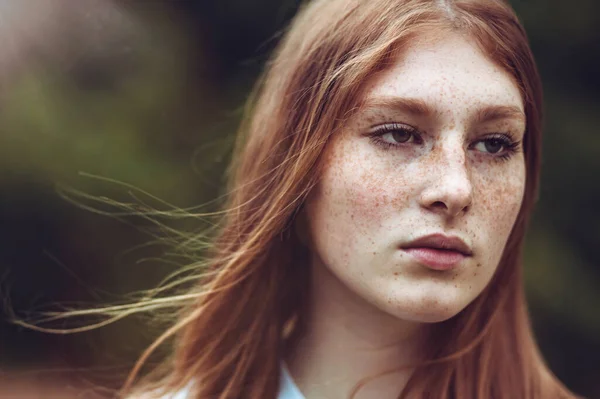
(430, 310)
(434, 317)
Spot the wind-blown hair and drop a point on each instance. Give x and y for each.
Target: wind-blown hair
(231, 339)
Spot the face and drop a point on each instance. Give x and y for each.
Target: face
(421, 188)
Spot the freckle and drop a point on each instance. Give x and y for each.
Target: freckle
(455, 286)
(396, 274)
(479, 265)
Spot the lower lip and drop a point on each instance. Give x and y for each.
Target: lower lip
(436, 259)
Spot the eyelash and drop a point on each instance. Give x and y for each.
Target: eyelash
(390, 128)
(509, 144)
(507, 141)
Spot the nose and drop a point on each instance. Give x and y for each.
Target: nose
(448, 190)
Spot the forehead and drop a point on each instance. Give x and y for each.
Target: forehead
(450, 74)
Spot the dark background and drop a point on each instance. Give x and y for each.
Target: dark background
(138, 102)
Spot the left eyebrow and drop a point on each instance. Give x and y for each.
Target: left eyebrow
(498, 112)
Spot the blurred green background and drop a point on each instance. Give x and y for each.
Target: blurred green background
(149, 94)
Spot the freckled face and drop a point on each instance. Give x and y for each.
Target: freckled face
(435, 150)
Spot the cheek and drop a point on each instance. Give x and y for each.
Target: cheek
(361, 186)
(500, 201)
(506, 199)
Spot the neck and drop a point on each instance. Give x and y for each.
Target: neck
(346, 340)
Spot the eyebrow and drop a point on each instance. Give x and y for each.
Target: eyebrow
(418, 107)
(498, 112)
(412, 106)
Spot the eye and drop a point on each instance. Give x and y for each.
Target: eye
(395, 134)
(491, 145)
(399, 136)
(499, 145)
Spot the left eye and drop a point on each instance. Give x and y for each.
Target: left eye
(492, 145)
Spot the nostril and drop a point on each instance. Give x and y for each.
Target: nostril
(439, 205)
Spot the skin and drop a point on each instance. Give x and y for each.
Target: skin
(370, 301)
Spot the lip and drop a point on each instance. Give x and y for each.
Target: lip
(438, 251)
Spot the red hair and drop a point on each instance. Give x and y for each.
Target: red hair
(230, 339)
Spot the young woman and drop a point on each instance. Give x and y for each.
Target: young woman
(371, 244)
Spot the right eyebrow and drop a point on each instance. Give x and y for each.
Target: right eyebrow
(413, 106)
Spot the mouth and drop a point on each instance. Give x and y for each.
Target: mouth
(438, 251)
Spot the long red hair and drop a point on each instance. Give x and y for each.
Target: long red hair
(231, 338)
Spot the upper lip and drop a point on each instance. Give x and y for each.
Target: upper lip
(440, 241)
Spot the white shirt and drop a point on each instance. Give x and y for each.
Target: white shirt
(287, 387)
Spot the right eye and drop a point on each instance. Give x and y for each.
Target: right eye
(395, 134)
